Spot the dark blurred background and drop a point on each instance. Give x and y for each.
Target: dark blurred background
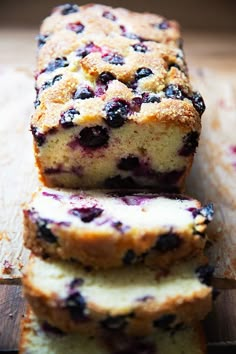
(211, 15)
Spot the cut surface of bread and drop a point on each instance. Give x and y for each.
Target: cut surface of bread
(134, 299)
(110, 229)
(114, 105)
(40, 338)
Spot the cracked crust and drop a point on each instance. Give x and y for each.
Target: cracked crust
(129, 229)
(152, 296)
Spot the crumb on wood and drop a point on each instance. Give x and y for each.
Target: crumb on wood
(4, 236)
(7, 267)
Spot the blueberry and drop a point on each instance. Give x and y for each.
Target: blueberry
(76, 282)
(190, 143)
(37, 103)
(140, 47)
(117, 111)
(51, 82)
(129, 257)
(83, 93)
(163, 25)
(119, 182)
(41, 39)
(174, 92)
(145, 298)
(207, 211)
(69, 9)
(105, 77)
(119, 226)
(93, 137)
(40, 138)
(87, 49)
(165, 321)
(128, 163)
(168, 242)
(77, 27)
(109, 15)
(150, 98)
(198, 102)
(44, 232)
(59, 62)
(76, 304)
(67, 117)
(114, 323)
(114, 58)
(143, 72)
(86, 214)
(205, 273)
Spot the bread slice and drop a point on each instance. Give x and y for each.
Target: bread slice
(114, 106)
(40, 338)
(106, 229)
(136, 299)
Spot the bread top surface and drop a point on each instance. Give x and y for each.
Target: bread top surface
(112, 56)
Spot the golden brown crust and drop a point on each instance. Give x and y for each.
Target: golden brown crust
(162, 51)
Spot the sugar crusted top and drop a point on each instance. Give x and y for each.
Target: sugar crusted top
(94, 58)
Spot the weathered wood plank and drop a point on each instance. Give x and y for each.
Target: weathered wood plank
(17, 172)
(213, 176)
(12, 307)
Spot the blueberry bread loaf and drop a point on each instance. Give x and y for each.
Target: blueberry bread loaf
(114, 104)
(105, 229)
(134, 299)
(41, 338)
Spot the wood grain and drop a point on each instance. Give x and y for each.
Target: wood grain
(18, 175)
(213, 176)
(12, 307)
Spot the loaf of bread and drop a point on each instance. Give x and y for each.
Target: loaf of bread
(134, 299)
(105, 229)
(114, 104)
(41, 338)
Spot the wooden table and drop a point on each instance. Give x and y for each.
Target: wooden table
(17, 56)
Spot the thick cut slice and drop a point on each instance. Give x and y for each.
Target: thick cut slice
(109, 229)
(134, 299)
(41, 338)
(114, 104)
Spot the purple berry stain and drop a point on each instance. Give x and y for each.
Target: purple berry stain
(86, 214)
(76, 27)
